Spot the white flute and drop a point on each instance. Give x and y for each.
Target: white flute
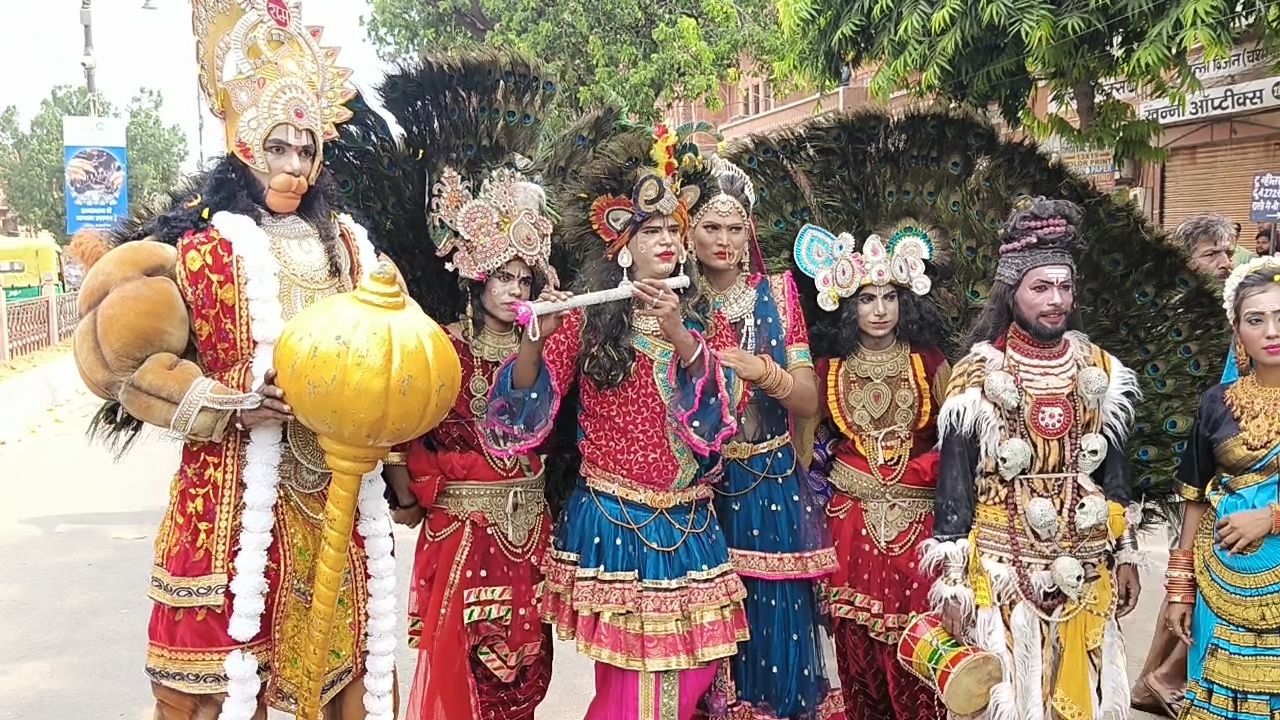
(528, 312)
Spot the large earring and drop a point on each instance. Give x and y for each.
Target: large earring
(624, 261)
(1242, 357)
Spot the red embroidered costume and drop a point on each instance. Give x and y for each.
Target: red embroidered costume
(878, 514)
(179, 328)
(476, 573)
(483, 653)
(876, 448)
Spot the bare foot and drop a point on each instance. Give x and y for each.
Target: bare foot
(1156, 698)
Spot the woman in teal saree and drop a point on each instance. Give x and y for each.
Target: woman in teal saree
(1224, 579)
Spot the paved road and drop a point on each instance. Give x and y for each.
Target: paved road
(76, 533)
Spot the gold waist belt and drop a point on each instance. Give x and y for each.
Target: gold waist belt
(887, 510)
(514, 505)
(611, 484)
(746, 451)
(870, 489)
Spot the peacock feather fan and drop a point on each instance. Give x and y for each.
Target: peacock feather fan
(952, 174)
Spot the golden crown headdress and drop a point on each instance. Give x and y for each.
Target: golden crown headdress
(260, 68)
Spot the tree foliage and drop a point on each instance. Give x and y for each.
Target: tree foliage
(629, 53)
(996, 52)
(31, 160)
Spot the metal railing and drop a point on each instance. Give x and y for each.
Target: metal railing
(27, 326)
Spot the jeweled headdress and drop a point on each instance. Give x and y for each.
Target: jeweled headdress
(1231, 288)
(723, 173)
(505, 220)
(840, 271)
(657, 189)
(260, 68)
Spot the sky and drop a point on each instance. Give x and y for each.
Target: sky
(43, 43)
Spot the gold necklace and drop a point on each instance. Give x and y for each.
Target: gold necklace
(493, 346)
(869, 393)
(646, 324)
(737, 301)
(1257, 411)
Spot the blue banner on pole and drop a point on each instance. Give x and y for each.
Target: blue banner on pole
(96, 172)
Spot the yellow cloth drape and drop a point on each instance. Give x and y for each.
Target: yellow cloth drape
(1079, 637)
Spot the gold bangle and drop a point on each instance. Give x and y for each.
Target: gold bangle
(396, 458)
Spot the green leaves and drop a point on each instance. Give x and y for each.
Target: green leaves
(997, 52)
(635, 52)
(31, 160)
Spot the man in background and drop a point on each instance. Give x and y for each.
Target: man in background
(1211, 241)
(1262, 241)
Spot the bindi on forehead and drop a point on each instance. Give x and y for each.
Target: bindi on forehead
(1057, 276)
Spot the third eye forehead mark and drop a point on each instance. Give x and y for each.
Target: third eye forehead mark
(294, 136)
(1057, 276)
(1262, 310)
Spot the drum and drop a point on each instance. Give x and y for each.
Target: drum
(962, 676)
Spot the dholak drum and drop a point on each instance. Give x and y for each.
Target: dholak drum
(963, 676)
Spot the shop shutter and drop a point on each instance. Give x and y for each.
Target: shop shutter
(1217, 179)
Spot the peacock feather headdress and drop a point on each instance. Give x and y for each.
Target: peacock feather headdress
(457, 194)
(636, 173)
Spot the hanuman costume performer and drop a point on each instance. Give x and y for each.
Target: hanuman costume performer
(1033, 523)
(178, 331)
(777, 536)
(639, 572)
(473, 609)
(1224, 577)
(882, 378)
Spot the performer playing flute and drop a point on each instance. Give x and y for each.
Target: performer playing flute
(638, 573)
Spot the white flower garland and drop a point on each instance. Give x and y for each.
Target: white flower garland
(380, 624)
(375, 527)
(261, 476)
(262, 464)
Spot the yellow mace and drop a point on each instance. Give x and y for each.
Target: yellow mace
(364, 371)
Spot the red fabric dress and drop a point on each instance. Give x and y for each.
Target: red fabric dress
(476, 578)
(878, 584)
(195, 547)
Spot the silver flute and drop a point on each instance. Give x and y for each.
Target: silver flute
(527, 313)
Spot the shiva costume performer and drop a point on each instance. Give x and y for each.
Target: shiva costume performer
(639, 572)
(778, 539)
(473, 604)
(179, 327)
(876, 447)
(1230, 467)
(1033, 514)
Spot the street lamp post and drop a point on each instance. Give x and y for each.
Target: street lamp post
(89, 62)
